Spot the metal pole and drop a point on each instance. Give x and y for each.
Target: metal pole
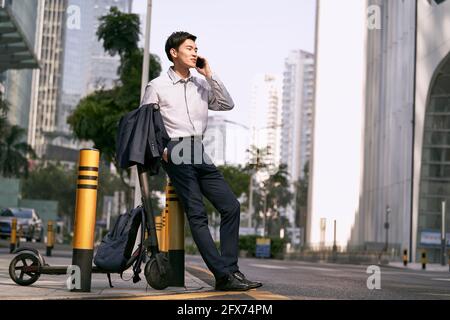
(144, 82)
(265, 214)
(108, 216)
(386, 226)
(334, 241)
(250, 202)
(443, 237)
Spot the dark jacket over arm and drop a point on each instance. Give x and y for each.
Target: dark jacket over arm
(141, 138)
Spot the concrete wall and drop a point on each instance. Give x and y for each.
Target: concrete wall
(387, 133)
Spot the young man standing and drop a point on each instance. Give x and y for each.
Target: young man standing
(184, 101)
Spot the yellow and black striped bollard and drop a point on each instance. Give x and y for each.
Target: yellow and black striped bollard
(85, 212)
(448, 255)
(50, 238)
(405, 257)
(175, 235)
(13, 239)
(158, 226)
(423, 260)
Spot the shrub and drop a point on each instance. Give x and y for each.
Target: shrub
(248, 243)
(190, 249)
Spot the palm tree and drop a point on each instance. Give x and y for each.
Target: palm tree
(4, 108)
(14, 152)
(277, 196)
(257, 157)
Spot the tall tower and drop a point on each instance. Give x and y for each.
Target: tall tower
(296, 131)
(46, 85)
(297, 109)
(266, 116)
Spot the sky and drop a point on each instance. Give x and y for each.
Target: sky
(244, 38)
(338, 118)
(240, 39)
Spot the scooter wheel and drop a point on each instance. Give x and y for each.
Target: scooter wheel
(24, 269)
(154, 277)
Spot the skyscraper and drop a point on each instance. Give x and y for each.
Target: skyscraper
(46, 87)
(297, 109)
(83, 68)
(266, 116)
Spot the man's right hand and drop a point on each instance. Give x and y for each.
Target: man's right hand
(165, 155)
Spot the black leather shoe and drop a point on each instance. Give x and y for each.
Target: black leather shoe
(231, 284)
(241, 277)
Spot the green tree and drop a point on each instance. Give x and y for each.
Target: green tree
(13, 150)
(4, 108)
(55, 182)
(14, 162)
(270, 197)
(96, 117)
(278, 196)
(257, 163)
(119, 32)
(52, 182)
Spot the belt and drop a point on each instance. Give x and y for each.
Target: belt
(192, 138)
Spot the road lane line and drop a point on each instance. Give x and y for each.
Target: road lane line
(186, 296)
(267, 266)
(316, 268)
(441, 279)
(437, 294)
(265, 295)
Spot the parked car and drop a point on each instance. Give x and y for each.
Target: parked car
(27, 219)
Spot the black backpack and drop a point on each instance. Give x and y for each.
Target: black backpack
(114, 254)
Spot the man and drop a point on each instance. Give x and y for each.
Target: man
(184, 101)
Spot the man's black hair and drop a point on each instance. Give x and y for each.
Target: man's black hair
(176, 39)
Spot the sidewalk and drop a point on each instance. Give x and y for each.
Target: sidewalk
(418, 266)
(50, 287)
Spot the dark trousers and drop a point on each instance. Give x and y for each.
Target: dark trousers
(191, 181)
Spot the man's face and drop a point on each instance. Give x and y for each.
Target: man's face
(186, 54)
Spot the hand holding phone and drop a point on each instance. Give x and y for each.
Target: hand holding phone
(200, 63)
(202, 67)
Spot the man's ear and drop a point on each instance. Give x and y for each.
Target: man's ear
(173, 52)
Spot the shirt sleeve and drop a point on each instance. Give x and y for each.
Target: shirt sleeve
(150, 95)
(218, 97)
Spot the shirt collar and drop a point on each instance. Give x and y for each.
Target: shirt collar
(176, 78)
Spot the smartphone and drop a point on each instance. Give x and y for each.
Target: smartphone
(200, 63)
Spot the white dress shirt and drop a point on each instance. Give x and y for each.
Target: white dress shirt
(184, 103)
